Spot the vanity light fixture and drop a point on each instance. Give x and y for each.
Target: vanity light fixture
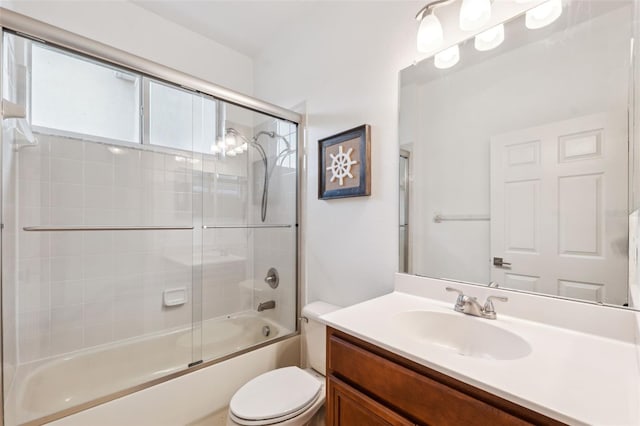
(474, 14)
(447, 58)
(489, 39)
(544, 14)
(430, 34)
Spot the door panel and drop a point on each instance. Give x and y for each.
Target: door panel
(559, 208)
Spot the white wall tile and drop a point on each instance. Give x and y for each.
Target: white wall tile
(96, 152)
(65, 195)
(153, 160)
(33, 297)
(34, 194)
(98, 313)
(33, 244)
(66, 216)
(97, 243)
(66, 317)
(66, 293)
(128, 175)
(66, 243)
(66, 268)
(98, 266)
(66, 148)
(97, 216)
(98, 334)
(66, 339)
(64, 170)
(99, 173)
(99, 290)
(34, 270)
(98, 197)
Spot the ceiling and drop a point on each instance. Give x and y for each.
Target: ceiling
(246, 26)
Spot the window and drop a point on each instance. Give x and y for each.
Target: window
(74, 94)
(180, 119)
(81, 97)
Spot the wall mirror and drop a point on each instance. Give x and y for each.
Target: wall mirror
(517, 163)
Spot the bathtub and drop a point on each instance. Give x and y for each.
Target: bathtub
(58, 384)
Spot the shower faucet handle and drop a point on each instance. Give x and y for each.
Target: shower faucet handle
(272, 278)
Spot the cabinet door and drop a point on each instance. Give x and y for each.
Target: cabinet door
(348, 407)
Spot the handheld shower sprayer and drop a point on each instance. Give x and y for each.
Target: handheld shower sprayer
(253, 142)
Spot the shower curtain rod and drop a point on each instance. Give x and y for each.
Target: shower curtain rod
(46, 33)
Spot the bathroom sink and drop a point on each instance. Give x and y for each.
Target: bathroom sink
(466, 335)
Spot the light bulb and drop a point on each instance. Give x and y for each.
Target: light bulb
(230, 139)
(474, 14)
(215, 149)
(430, 34)
(490, 39)
(244, 147)
(231, 153)
(543, 15)
(447, 58)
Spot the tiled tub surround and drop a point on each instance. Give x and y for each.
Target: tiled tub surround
(81, 289)
(583, 365)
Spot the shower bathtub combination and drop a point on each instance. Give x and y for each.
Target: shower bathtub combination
(150, 223)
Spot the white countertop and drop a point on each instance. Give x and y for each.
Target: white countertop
(571, 376)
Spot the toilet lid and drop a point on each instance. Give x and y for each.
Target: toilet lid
(275, 394)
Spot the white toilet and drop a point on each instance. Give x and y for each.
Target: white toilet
(288, 396)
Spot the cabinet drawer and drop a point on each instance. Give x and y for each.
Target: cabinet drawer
(407, 392)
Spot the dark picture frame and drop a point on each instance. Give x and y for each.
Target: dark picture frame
(344, 164)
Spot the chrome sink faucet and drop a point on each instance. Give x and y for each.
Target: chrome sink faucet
(470, 305)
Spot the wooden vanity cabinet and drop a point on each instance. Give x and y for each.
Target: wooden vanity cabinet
(369, 386)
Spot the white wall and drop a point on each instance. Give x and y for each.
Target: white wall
(129, 27)
(344, 65)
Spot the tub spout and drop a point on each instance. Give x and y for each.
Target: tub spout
(271, 304)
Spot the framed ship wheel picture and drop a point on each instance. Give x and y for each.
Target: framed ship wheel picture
(344, 164)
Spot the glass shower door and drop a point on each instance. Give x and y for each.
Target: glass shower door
(249, 237)
(98, 249)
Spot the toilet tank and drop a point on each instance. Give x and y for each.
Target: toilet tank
(314, 337)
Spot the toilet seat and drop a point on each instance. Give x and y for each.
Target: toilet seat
(274, 397)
